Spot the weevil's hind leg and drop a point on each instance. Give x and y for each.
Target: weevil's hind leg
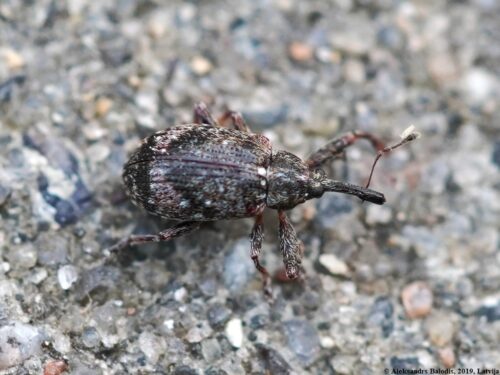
(291, 247)
(237, 121)
(336, 147)
(201, 115)
(256, 246)
(165, 235)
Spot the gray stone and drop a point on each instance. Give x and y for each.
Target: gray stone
(18, 342)
(238, 267)
(302, 339)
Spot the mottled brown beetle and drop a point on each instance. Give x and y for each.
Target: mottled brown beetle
(205, 172)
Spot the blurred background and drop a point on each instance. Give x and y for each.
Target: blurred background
(411, 284)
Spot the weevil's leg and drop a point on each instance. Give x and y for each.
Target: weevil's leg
(256, 246)
(201, 115)
(290, 246)
(165, 235)
(236, 120)
(335, 147)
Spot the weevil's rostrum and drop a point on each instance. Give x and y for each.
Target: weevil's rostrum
(205, 171)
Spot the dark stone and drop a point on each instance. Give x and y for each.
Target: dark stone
(407, 363)
(381, 314)
(184, 370)
(213, 371)
(4, 194)
(492, 313)
(218, 315)
(8, 86)
(259, 321)
(274, 363)
(495, 157)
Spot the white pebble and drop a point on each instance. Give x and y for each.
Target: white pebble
(326, 342)
(180, 294)
(234, 333)
(334, 265)
(169, 324)
(67, 276)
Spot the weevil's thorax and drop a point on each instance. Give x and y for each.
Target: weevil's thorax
(290, 182)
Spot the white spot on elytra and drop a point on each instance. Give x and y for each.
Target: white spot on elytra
(263, 182)
(185, 203)
(261, 171)
(208, 202)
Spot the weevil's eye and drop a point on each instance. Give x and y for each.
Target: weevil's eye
(315, 189)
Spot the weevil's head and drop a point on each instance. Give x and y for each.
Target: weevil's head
(291, 182)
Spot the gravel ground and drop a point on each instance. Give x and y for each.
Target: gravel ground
(413, 284)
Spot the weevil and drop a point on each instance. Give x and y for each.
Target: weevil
(206, 171)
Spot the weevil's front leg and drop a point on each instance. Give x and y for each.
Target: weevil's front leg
(201, 115)
(335, 147)
(165, 235)
(256, 238)
(291, 247)
(237, 121)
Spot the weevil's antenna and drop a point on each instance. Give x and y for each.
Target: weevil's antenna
(407, 136)
(359, 191)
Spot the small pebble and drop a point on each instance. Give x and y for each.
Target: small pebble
(156, 28)
(274, 363)
(378, 214)
(98, 152)
(18, 342)
(334, 265)
(201, 65)
(24, 256)
(238, 267)
(13, 59)
(300, 52)
(478, 85)
(344, 363)
(404, 363)
(198, 333)
(218, 315)
(180, 294)
(4, 194)
(302, 339)
(417, 299)
(447, 357)
(90, 337)
(37, 276)
(234, 333)
(326, 342)
(354, 71)
(102, 106)
(152, 346)
(211, 350)
(440, 329)
(55, 367)
(67, 276)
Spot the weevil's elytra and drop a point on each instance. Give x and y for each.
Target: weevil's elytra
(200, 172)
(204, 172)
